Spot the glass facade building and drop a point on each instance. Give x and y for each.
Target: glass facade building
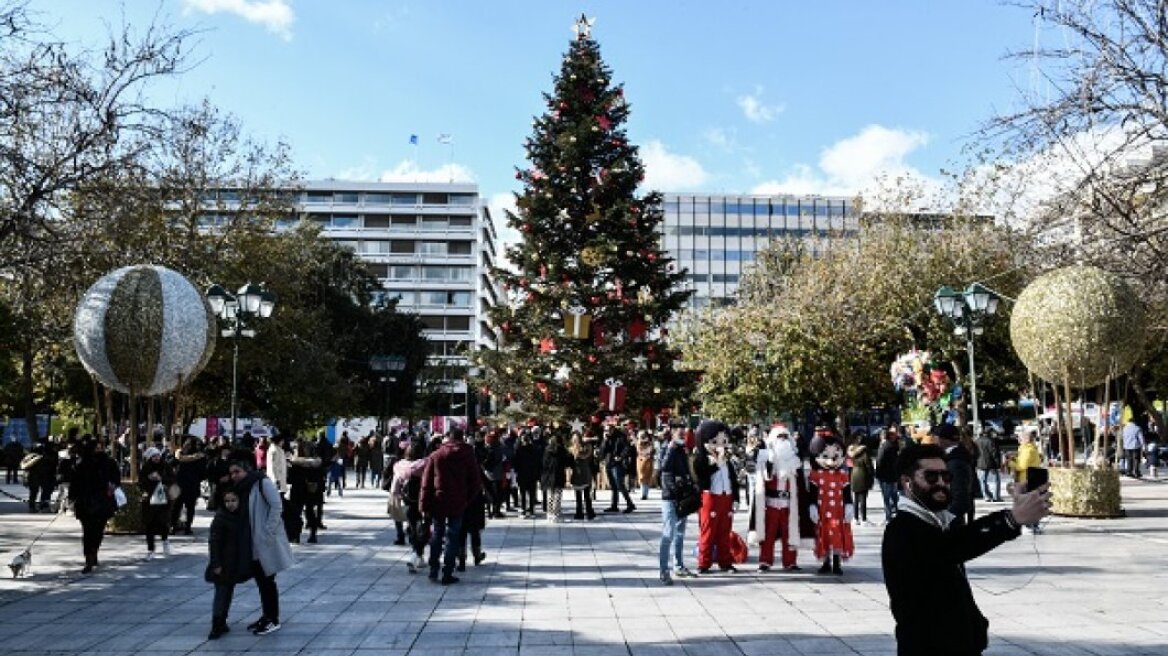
(716, 237)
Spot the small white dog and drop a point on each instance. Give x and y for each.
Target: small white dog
(21, 565)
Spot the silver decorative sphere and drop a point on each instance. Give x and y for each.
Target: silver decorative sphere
(144, 330)
(1078, 325)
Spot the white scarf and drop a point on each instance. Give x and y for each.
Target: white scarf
(939, 519)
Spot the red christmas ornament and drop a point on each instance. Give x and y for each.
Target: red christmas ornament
(547, 345)
(637, 329)
(506, 326)
(595, 300)
(592, 359)
(652, 257)
(530, 296)
(598, 326)
(603, 122)
(543, 389)
(526, 227)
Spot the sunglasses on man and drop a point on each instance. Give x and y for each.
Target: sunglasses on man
(933, 475)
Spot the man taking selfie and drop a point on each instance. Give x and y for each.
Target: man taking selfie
(924, 555)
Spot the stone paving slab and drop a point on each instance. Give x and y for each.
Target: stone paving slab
(575, 589)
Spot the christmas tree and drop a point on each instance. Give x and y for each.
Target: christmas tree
(583, 332)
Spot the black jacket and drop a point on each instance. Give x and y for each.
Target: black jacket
(924, 566)
(958, 461)
(555, 463)
(989, 454)
(224, 551)
(528, 463)
(886, 461)
(91, 491)
(674, 468)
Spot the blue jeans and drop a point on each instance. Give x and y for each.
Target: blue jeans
(616, 479)
(449, 528)
(672, 532)
(891, 496)
(986, 475)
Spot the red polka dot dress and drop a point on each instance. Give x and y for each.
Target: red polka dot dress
(831, 490)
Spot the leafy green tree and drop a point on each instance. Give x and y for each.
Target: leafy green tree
(590, 248)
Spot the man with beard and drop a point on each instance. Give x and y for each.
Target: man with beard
(924, 555)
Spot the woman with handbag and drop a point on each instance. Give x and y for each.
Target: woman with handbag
(679, 499)
(154, 480)
(91, 493)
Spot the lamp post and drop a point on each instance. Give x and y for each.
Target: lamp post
(387, 366)
(248, 302)
(968, 310)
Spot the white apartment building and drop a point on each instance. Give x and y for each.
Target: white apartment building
(716, 236)
(431, 244)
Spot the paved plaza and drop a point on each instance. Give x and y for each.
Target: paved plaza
(575, 589)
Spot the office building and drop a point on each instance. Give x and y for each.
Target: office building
(716, 237)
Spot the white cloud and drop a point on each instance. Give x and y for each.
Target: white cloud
(757, 112)
(275, 15)
(718, 137)
(670, 171)
(855, 164)
(408, 171)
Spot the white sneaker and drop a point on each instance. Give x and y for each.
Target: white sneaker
(166, 548)
(149, 555)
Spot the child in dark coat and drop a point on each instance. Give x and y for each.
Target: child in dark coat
(474, 520)
(230, 563)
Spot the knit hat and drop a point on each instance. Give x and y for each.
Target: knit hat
(151, 452)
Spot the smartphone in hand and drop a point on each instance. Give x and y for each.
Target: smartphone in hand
(1036, 477)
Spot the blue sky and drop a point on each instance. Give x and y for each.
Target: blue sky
(731, 96)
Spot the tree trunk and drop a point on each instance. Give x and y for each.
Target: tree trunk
(27, 393)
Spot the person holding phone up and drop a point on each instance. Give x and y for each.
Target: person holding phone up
(924, 554)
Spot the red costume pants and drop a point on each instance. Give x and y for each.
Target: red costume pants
(777, 529)
(714, 521)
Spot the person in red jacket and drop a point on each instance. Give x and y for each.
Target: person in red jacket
(449, 481)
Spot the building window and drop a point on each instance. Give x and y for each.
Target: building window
(345, 197)
(318, 197)
(403, 199)
(402, 272)
(378, 270)
(410, 220)
(350, 244)
(461, 273)
(462, 199)
(435, 273)
(432, 248)
(376, 199)
(402, 246)
(457, 323)
(376, 247)
(431, 322)
(435, 199)
(434, 223)
(376, 221)
(458, 299)
(344, 221)
(458, 248)
(461, 221)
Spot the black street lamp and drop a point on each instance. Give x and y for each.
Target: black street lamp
(387, 366)
(250, 301)
(968, 310)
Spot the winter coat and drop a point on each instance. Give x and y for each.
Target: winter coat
(527, 464)
(223, 546)
(276, 464)
(1026, 457)
(190, 470)
(989, 454)
(265, 524)
(44, 472)
(674, 468)
(862, 469)
(305, 480)
(924, 564)
(645, 461)
(583, 467)
(94, 480)
(555, 461)
(886, 461)
(450, 479)
(958, 462)
(363, 453)
(475, 516)
(146, 484)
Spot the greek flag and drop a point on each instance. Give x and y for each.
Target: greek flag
(413, 139)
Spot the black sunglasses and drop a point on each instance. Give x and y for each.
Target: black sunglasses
(931, 475)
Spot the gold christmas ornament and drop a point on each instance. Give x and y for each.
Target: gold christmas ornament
(1078, 325)
(592, 257)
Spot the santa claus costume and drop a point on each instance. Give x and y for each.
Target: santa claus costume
(776, 500)
(831, 503)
